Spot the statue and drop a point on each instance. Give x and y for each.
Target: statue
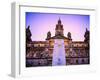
(28, 34)
(48, 35)
(69, 35)
(87, 33)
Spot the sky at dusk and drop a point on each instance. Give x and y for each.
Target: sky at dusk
(41, 23)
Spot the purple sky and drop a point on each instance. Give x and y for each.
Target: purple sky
(41, 23)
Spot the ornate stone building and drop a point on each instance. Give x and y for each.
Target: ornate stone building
(39, 53)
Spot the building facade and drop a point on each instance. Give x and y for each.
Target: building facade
(39, 53)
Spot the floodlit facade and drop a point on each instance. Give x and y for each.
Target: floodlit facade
(40, 53)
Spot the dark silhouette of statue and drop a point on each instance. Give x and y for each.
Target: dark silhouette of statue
(48, 35)
(86, 35)
(69, 35)
(28, 35)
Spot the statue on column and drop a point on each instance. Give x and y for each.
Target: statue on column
(69, 35)
(28, 34)
(48, 35)
(86, 36)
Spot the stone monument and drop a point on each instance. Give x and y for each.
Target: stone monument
(59, 53)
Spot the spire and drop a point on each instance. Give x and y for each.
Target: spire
(86, 29)
(28, 26)
(86, 35)
(59, 21)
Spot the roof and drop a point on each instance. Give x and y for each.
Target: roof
(39, 42)
(58, 37)
(78, 42)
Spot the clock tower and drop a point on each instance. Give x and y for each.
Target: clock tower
(59, 28)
